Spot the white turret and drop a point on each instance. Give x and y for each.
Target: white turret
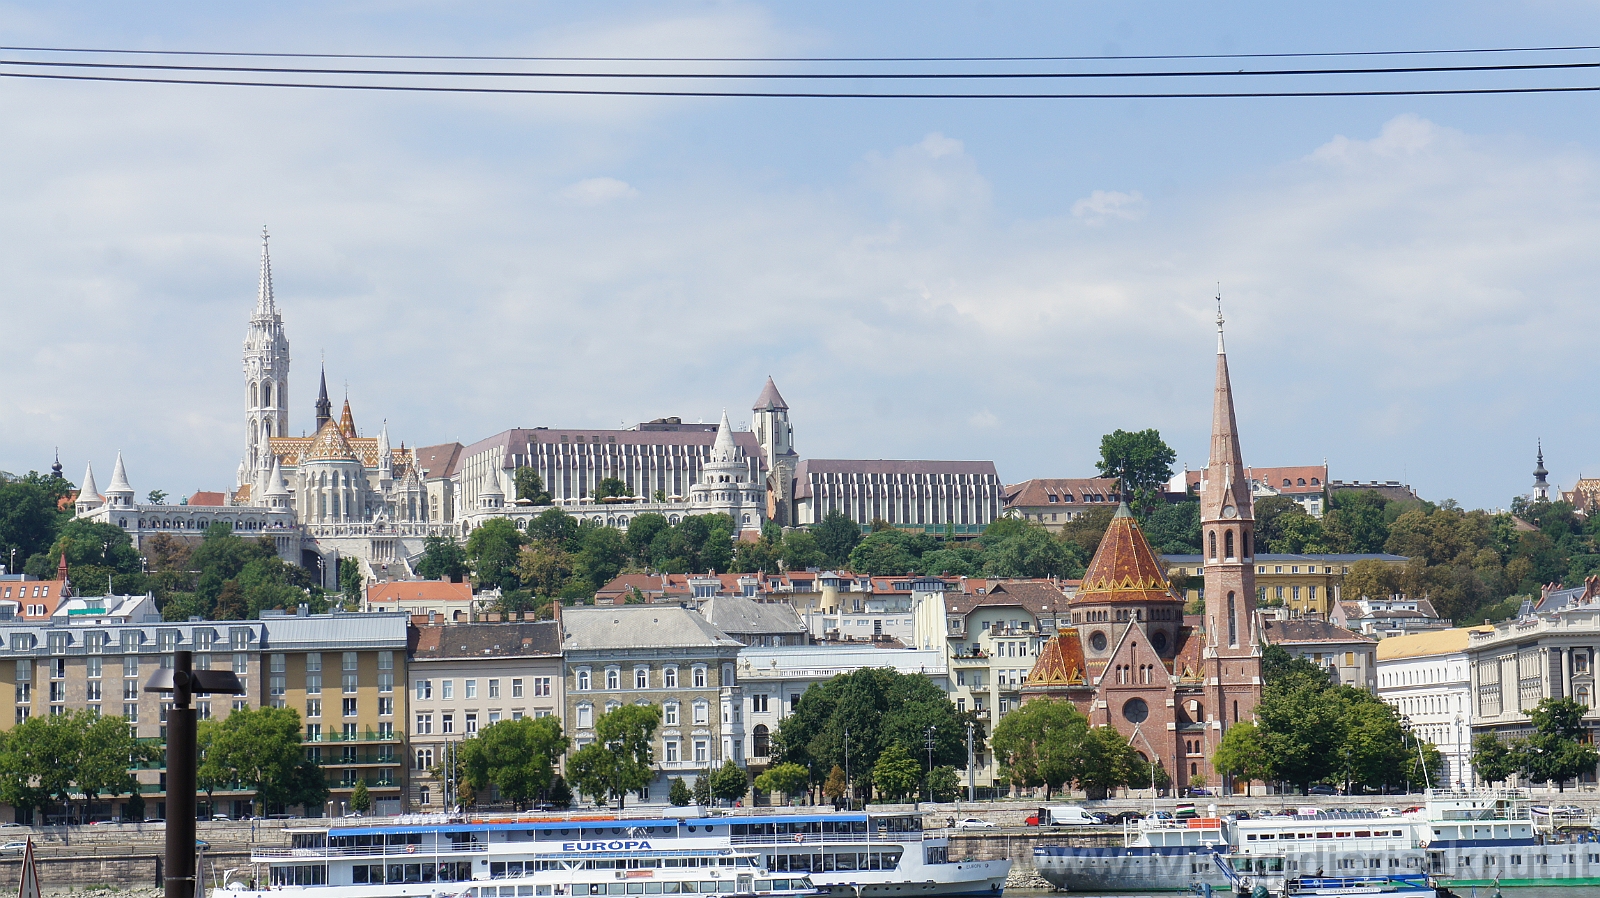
(88, 495)
(120, 493)
(385, 457)
(276, 493)
(725, 485)
(490, 495)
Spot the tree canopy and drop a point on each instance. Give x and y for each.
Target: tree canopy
(1140, 461)
(260, 750)
(1555, 752)
(517, 757)
(1048, 743)
(619, 760)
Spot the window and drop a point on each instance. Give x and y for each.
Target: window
(313, 662)
(702, 714)
(313, 707)
(702, 751)
(167, 640)
(447, 689)
(313, 732)
(472, 688)
(760, 747)
(541, 686)
(386, 660)
(758, 703)
(424, 690)
(95, 643)
(276, 686)
(386, 708)
(424, 724)
(241, 664)
(349, 683)
(613, 678)
(424, 758)
(130, 712)
(671, 755)
(349, 707)
(699, 678)
(91, 691)
(447, 723)
(585, 716)
(669, 677)
(472, 724)
(494, 688)
(516, 687)
(314, 684)
(386, 727)
(91, 667)
(350, 660)
(583, 679)
(277, 663)
(130, 667)
(130, 642)
(641, 678)
(386, 682)
(669, 714)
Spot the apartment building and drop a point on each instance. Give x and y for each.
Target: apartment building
(1304, 584)
(662, 655)
(1427, 678)
(464, 677)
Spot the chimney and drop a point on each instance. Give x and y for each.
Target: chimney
(302, 610)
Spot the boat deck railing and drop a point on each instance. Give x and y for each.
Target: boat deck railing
(782, 839)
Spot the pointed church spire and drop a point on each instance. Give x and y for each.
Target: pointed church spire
(1541, 486)
(265, 305)
(324, 407)
(347, 423)
(1226, 492)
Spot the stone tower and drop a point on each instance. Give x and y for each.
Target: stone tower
(1231, 658)
(771, 423)
(266, 375)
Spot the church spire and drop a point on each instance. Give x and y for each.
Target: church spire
(1541, 487)
(265, 305)
(1225, 492)
(324, 407)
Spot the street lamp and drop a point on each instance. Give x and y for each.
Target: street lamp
(1461, 758)
(848, 796)
(930, 764)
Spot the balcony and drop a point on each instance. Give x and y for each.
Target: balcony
(368, 736)
(971, 659)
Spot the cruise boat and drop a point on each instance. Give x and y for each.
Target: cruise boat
(851, 855)
(1158, 853)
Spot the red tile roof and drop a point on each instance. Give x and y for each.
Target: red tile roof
(1124, 569)
(1062, 491)
(208, 499)
(419, 591)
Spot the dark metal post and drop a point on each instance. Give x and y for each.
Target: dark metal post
(180, 782)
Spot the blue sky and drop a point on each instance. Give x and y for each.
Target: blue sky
(1409, 281)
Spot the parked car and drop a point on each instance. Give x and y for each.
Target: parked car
(973, 823)
(13, 823)
(1237, 815)
(1388, 812)
(13, 848)
(1322, 789)
(1125, 817)
(220, 817)
(1569, 810)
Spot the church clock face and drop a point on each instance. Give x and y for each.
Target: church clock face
(1228, 511)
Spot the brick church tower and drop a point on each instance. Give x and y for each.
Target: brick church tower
(1232, 652)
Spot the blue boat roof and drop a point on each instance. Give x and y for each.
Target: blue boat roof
(592, 824)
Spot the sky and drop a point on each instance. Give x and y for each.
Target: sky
(1408, 282)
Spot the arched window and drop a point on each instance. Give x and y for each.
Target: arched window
(1227, 543)
(760, 746)
(1246, 539)
(1213, 545)
(1233, 623)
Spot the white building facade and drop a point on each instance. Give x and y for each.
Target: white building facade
(1427, 677)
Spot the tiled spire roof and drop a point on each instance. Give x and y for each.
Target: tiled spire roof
(1060, 661)
(769, 398)
(347, 422)
(329, 445)
(1124, 568)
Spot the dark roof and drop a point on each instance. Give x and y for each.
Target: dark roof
(1056, 490)
(519, 639)
(438, 461)
(1281, 632)
(1037, 596)
(913, 468)
(769, 398)
(518, 441)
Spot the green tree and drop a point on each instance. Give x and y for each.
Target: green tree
(1039, 744)
(702, 789)
(544, 567)
(790, 779)
(360, 798)
(156, 497)
(1140, 461)
(642, 531)
(1301, 730)
(1492, 759)
(1086, 530)
(1555, 750)
(1279, 667)
(837, 537)
(728, 782)
(492, 549)
(29, 518)
(260, 750)
(1270, 512)
(530, 486)
(517, 756)
(351, 582)
(105, 750)
(678, 793)
(442, 559)
(801, 551)
(834, 786)
(601, 553)
(1016, 548)
(946, 785)
(1371, 578)
(39, 753)
(896, 774)
(1106, 761)
(1241, 754)
(612, 487)
(890, 552)
(1299, 534)
(556, 526)
(1173, 528)
(619, 760)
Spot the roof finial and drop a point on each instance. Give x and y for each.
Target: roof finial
(1220, 349)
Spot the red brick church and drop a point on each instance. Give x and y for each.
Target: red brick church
(1172, 683)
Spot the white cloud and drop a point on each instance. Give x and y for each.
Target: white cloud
(1104, 205)
(934, 175)
(595, 191)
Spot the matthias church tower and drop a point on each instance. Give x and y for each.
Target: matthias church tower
(266, 377)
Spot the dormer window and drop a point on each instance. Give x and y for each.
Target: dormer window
(1054, 498)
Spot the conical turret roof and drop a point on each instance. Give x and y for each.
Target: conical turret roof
(769, 400)
(275, 484)
(491, 485)
(329, 445)
(265, 306)
(88, 492)
(1060, 662)
(119, 480)
(347, 423)
(724, 449)
(1124, 568)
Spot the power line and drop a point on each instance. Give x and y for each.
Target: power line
(441, 57)
(854, 95)
(806, 76)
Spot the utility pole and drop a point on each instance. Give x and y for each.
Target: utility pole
(182, 681)
(849, 796)
(930, 764)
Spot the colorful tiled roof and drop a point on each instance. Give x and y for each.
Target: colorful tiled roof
(1060, 661)
(329, 444)
(1124, 569)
